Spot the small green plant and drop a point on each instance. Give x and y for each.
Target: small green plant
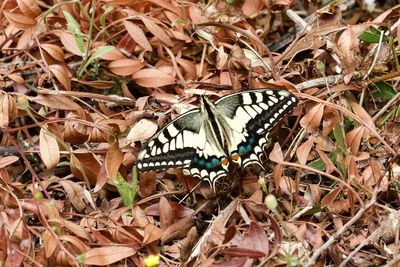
(127, 191)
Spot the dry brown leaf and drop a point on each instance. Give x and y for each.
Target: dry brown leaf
(125, 67)
(68, 41)
(330, 197)
(86, 163)
(8, 110)
(255, 238)
(19, 20)
(222, 58)
(29, 8)
(189, 68)
(48, 147)
(167, 5)
(329, 166)
(54, 51)
(16, 78)
(167, 214)
(312, 119)
(7, 160)
(252, 7)
(152, 78)
(304, 150)
(276, 154)
(151, 233)
(113, 161)
(72, 227)
(363, 115)
(49, 243)
(347, 46)
(62, 75)
(106, 255)
(56, 102)
(177, 230)
(142, 130)
(75, 194)
(157, 31)
(353, 139)
(287, 185)
(138, 35)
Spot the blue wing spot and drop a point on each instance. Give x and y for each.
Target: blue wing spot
(202, 162)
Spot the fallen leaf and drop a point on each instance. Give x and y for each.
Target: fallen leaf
(312, 119)
(152, 78)
(48, 147)
(106, 255)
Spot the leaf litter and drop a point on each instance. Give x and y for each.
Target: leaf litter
(85, 83)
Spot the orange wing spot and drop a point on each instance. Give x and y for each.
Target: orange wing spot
(224, 162)
(235, 158)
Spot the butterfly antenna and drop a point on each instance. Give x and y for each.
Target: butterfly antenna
(191, 191)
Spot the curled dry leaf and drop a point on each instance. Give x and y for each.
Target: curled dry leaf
(125, 67)
(48, 147)
(54, 51)
(142, 130)
(16, 78)
(113, 160)
(138, 35)
(353, 139)
(19, 20)
(312, 119)
(29, 8)
(62, 75)
(8, 109)
(348, 49)
(75, 194)
(106, 255)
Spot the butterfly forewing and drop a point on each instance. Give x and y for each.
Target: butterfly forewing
(189, 141)
(174, 145)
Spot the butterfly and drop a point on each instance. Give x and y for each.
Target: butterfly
(205, 141)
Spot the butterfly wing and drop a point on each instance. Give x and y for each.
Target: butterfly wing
(183, 144)
(252, 115)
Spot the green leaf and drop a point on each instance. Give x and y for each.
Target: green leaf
(385, 91)
(124, 190)
(104, 15)
(73, 25)
(338, 133)
(373, 35)
(97, 54)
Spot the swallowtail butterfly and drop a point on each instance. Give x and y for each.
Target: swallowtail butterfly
(205, 140)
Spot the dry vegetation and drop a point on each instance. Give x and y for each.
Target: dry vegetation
(85, 83)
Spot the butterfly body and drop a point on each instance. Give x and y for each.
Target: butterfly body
(205, 141)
